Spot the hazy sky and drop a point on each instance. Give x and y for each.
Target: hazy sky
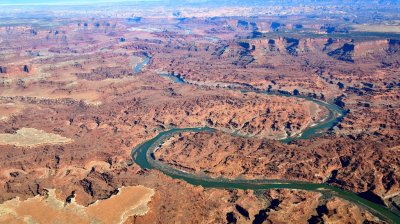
(34, 2)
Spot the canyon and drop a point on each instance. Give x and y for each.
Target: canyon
(83, 88)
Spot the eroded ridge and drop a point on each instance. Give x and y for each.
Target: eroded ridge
(48, 208)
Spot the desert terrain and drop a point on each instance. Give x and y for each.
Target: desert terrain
(294, 91)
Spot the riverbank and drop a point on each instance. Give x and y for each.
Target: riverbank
(144, 157)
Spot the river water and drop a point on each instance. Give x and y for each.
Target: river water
(139, 66)
(143, 155)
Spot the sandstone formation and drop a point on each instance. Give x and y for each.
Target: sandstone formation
(76, 99)
(49, 209)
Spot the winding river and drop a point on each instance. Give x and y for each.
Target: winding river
(143, 155)
(140, 66)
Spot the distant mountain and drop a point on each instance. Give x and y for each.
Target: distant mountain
(204, 2)
(69, 2)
